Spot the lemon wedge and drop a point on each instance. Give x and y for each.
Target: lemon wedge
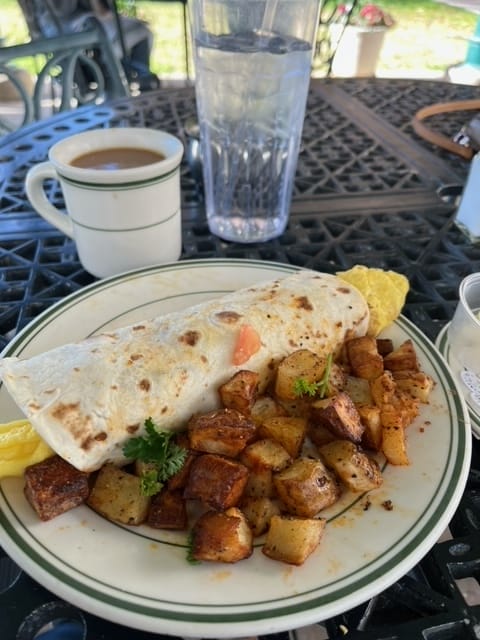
(384, 291)
(20, 446)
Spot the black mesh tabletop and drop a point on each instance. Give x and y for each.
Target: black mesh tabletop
(367, 191)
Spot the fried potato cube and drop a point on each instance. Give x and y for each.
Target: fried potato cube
(264, 408)
(383, 389)
(53, 486)
(306, 487)
(355, 469)
(337, 379)
(358, 389)
(168, 510)
(260, 483)
(240, 392)
(224, 432)
(338, 414)
(259, 512)
(384, 346)
(216, 481)
(402, 358)
(222, 536)
(302, 364)
(289, 431)
(117, 496)
(292, 540)
(400, 412)
(299, 408)
(416, 383)
(320, 435)
(364, 359)
(371, 420)
(394, 445)
(179, 479)
(265, 454)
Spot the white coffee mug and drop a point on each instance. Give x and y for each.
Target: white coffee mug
(120, 218)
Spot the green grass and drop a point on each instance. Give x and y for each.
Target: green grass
(427, 38)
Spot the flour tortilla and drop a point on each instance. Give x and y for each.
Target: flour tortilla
(88, 398)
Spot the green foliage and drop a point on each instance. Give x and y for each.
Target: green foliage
(304, 388)
(427, 38)
(156, 447)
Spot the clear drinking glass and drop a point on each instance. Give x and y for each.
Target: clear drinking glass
(252, 72)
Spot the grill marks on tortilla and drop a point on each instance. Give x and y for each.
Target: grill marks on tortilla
(228, 317)
(189, 338)
(77, 423)
(145, 385)
(302, 302)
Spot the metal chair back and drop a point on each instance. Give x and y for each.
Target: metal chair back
(74, 69)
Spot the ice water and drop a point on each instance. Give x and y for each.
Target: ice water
(251, 92)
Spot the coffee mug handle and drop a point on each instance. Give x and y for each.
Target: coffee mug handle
(36, 176)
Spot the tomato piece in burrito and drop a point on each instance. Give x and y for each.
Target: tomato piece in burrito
(88, 398)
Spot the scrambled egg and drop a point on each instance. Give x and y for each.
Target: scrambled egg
(384, 291)
(20, 446)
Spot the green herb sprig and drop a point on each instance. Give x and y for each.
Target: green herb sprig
(158, 449)
(303, 387)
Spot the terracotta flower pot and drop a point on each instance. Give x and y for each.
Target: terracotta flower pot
(358, 50)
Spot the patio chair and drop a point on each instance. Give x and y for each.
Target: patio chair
(71, 70)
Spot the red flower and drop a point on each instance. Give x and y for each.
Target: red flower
(370, 15)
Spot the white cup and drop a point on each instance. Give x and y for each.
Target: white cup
(464, 330)
(120, 219)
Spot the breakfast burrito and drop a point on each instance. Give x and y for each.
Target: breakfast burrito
(88, 398)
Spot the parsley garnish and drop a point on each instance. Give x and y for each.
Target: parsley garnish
(149, 483)
(156, 447)
(302, 387)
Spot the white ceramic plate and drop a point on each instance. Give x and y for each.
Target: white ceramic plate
(141, 578)
(469, 383)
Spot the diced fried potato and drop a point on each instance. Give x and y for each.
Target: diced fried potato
(416, 383)
(168, 511)
(265, 454)
(394, 445)
(402, 358)
(320, 435)
(288, 431)
(179, 479)
(117, 496)
(222, 536)
(53, 486)
(260, 483)
(264, 408)
(240, 392)
(365, 361)
(338, 414)
(400, 412)
(306, 487)
(384, 346)
(292, 540)
(302, 364)
(299, 408)
(216, 481)
(355, 469)
(370, 417)
(383, 389)
(259, 512)
(337, 379)
(358, 389)
(224, 432)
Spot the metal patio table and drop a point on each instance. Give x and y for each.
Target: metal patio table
(367, 191)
